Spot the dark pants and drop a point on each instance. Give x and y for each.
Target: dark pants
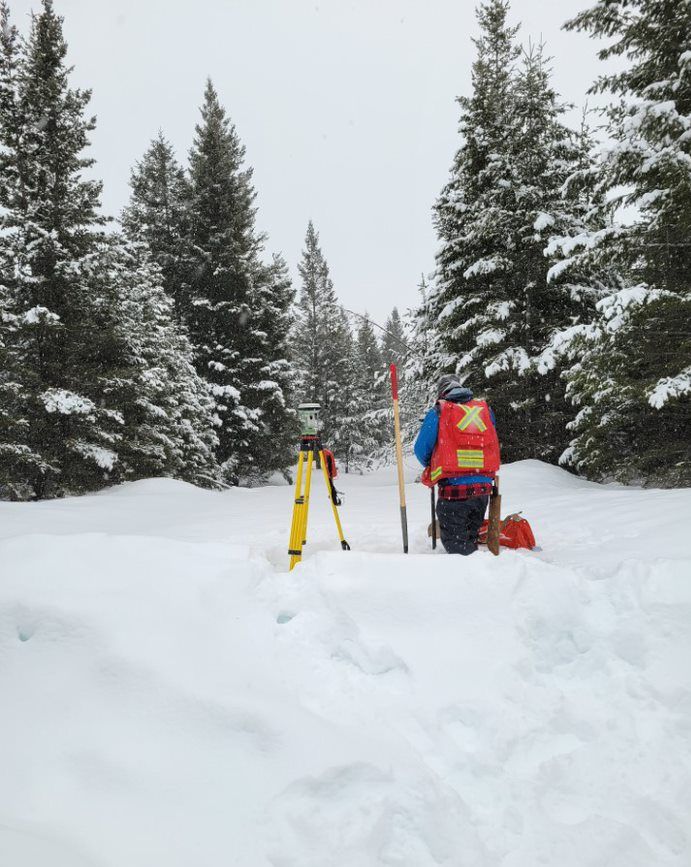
(460, 522)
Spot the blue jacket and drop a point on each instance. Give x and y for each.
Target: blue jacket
(427, 438)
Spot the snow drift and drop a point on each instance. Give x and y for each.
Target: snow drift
(172, 696)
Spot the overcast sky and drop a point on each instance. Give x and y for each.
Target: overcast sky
(346, 108)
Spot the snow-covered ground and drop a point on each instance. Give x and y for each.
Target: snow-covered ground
(170, 696)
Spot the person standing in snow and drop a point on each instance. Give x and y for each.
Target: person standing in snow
(459, 448)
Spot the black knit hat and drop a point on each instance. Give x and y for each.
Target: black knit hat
(446, 383)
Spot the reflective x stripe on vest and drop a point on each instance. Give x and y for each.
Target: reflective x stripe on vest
(434, 475)
(472, 416)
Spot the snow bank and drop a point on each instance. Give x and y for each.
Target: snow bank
(172, 696)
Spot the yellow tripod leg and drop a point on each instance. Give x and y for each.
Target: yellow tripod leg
(298, 533)
(295, 544)
(327, 479)
(305, 508)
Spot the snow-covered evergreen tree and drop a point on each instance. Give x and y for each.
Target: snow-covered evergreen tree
(393, 341)
(550, 158)
(17, 459)
(158, 215)
(97, 383)
(422, 358)
(343, 428)
(167, 410)
(496, 304)
(228, 292)
(632, 379)
(278, 436)
(476, 220)
(370, 354)
(51, 228)
(397, 348)
(322, 346)
(370, 394)
(421, 365)
(10, 126)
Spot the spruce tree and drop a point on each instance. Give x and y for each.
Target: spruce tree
(632, 381)
(476, 220)
(17, 459)
(51, 229)
(424, 343)
(10, 126)
(317, 300)
(400, 347)
(96, 383)
(228, 296)
(158, 216)
(167, 411)
(420, 371)
(278, 436)
(322, 346)
(370, 394)
(549, 201)
(393, 345)
(496, 302)
(343, 423)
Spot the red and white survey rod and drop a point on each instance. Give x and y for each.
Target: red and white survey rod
(399, 456)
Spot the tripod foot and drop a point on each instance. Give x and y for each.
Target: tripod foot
(345, 546)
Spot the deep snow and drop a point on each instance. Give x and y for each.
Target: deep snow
(173, 697)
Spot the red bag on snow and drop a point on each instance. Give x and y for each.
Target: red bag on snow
(516, 532)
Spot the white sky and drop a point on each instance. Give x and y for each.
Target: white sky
(346, 108)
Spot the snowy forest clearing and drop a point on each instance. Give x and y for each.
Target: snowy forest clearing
(171, 695)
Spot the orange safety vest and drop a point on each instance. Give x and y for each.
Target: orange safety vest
(467, 443)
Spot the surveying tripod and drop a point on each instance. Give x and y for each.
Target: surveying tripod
(310, 449)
